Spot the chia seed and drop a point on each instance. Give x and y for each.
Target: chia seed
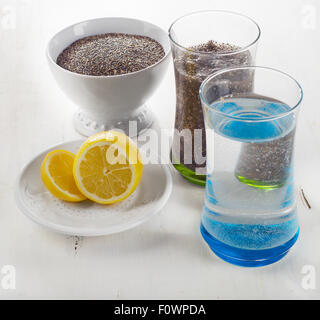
(192, 67)
(268, 163)
(110, 54)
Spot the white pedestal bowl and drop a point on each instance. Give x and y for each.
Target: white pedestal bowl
(109, 102)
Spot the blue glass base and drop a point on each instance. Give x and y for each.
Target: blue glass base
(244, 257)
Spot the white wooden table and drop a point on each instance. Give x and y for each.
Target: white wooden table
(164, 258)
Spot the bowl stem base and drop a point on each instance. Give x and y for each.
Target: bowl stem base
(133, 125)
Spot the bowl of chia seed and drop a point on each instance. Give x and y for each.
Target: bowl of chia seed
(109, 67)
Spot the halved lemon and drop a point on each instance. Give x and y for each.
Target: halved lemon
(57, 175)
(108, 167)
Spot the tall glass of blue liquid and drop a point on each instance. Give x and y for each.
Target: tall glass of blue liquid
(249, 216)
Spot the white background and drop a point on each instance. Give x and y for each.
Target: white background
(166, 257)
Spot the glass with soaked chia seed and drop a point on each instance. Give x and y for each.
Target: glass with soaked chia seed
(203, 43)
(250, 213)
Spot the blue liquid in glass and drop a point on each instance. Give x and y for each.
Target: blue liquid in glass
(249, 216)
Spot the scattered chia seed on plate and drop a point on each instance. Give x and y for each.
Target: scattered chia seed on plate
(110, 54)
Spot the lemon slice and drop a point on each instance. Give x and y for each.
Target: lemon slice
(57, 175)
(107, 167)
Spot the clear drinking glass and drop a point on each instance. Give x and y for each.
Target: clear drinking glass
(202, 43)
(249, 216)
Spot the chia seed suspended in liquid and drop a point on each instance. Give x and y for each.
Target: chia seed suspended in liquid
(192, 67)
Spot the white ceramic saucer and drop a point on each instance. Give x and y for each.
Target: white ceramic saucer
(88, 218)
